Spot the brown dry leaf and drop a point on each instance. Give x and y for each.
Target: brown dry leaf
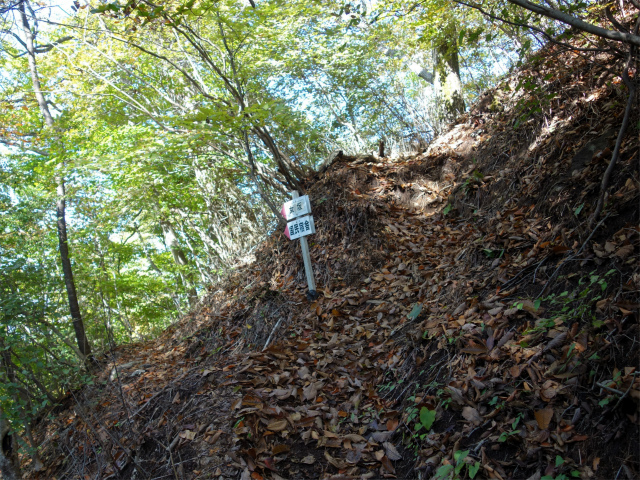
(392, 424)
(352, 437)
(391, 451)
(456, 395)
(257, 476)
(281, 448)
(309, 459)
(474, 348)
(381, 436)
(386, 463)
(188, 434)
(516, 370)
(549, 390)
(379, 454)
(212, 437)
(624, 251)
(529, 306)
(557, 341)
(310, 391)
(336, 462)
(277, 425)
(472, 415)
(281, 393)
(543, 417)
(354, 456)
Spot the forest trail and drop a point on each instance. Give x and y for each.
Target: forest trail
(443, 341)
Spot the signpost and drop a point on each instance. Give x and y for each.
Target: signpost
(296, 207)
(299, 211)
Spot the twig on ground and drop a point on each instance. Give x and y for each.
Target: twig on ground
(271, 334)
(624, 394)
(571, 257)
(609, 388)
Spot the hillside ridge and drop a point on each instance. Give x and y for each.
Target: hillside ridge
(470, 323)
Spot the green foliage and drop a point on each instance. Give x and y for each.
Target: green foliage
(575, 304)
(415, 311)
(427, 417)
(504, 436)
(449, 471)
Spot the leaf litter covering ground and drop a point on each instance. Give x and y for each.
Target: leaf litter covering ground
(469, 323)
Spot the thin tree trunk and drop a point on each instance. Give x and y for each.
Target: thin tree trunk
(252, 174)
(21, 401)
(9, 463)
(171, 239)
(447, 83)
(72, 296)
(74, 308)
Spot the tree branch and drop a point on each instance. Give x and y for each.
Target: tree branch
(530, 27)
(578, 23)
(631, 86)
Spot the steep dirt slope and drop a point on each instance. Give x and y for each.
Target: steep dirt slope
(469, 324)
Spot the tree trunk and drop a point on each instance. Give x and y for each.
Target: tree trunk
(179, 257)
(447, 83)
(72, 296)
(9, 463)
(74, 308)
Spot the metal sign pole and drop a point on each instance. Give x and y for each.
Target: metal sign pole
(311, 294)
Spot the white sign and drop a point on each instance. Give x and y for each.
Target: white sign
(296, 207)
(300, 227)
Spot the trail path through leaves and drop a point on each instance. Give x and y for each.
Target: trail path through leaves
(469, 325)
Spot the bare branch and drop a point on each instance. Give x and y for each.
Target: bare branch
(578, 23)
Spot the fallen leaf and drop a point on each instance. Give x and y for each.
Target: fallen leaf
(277, 425)
(516, 370)
(391, 451)
(415, 311)
(549, 390)
(309, 460)
(392, 424)
(336, 462)
(386, 463)
(543, 417)
(187, 434)
(624, 251)
(281, 448)
(352, 437)
(354, 456)
(472, 415)
(310, 391)
(381, 436)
